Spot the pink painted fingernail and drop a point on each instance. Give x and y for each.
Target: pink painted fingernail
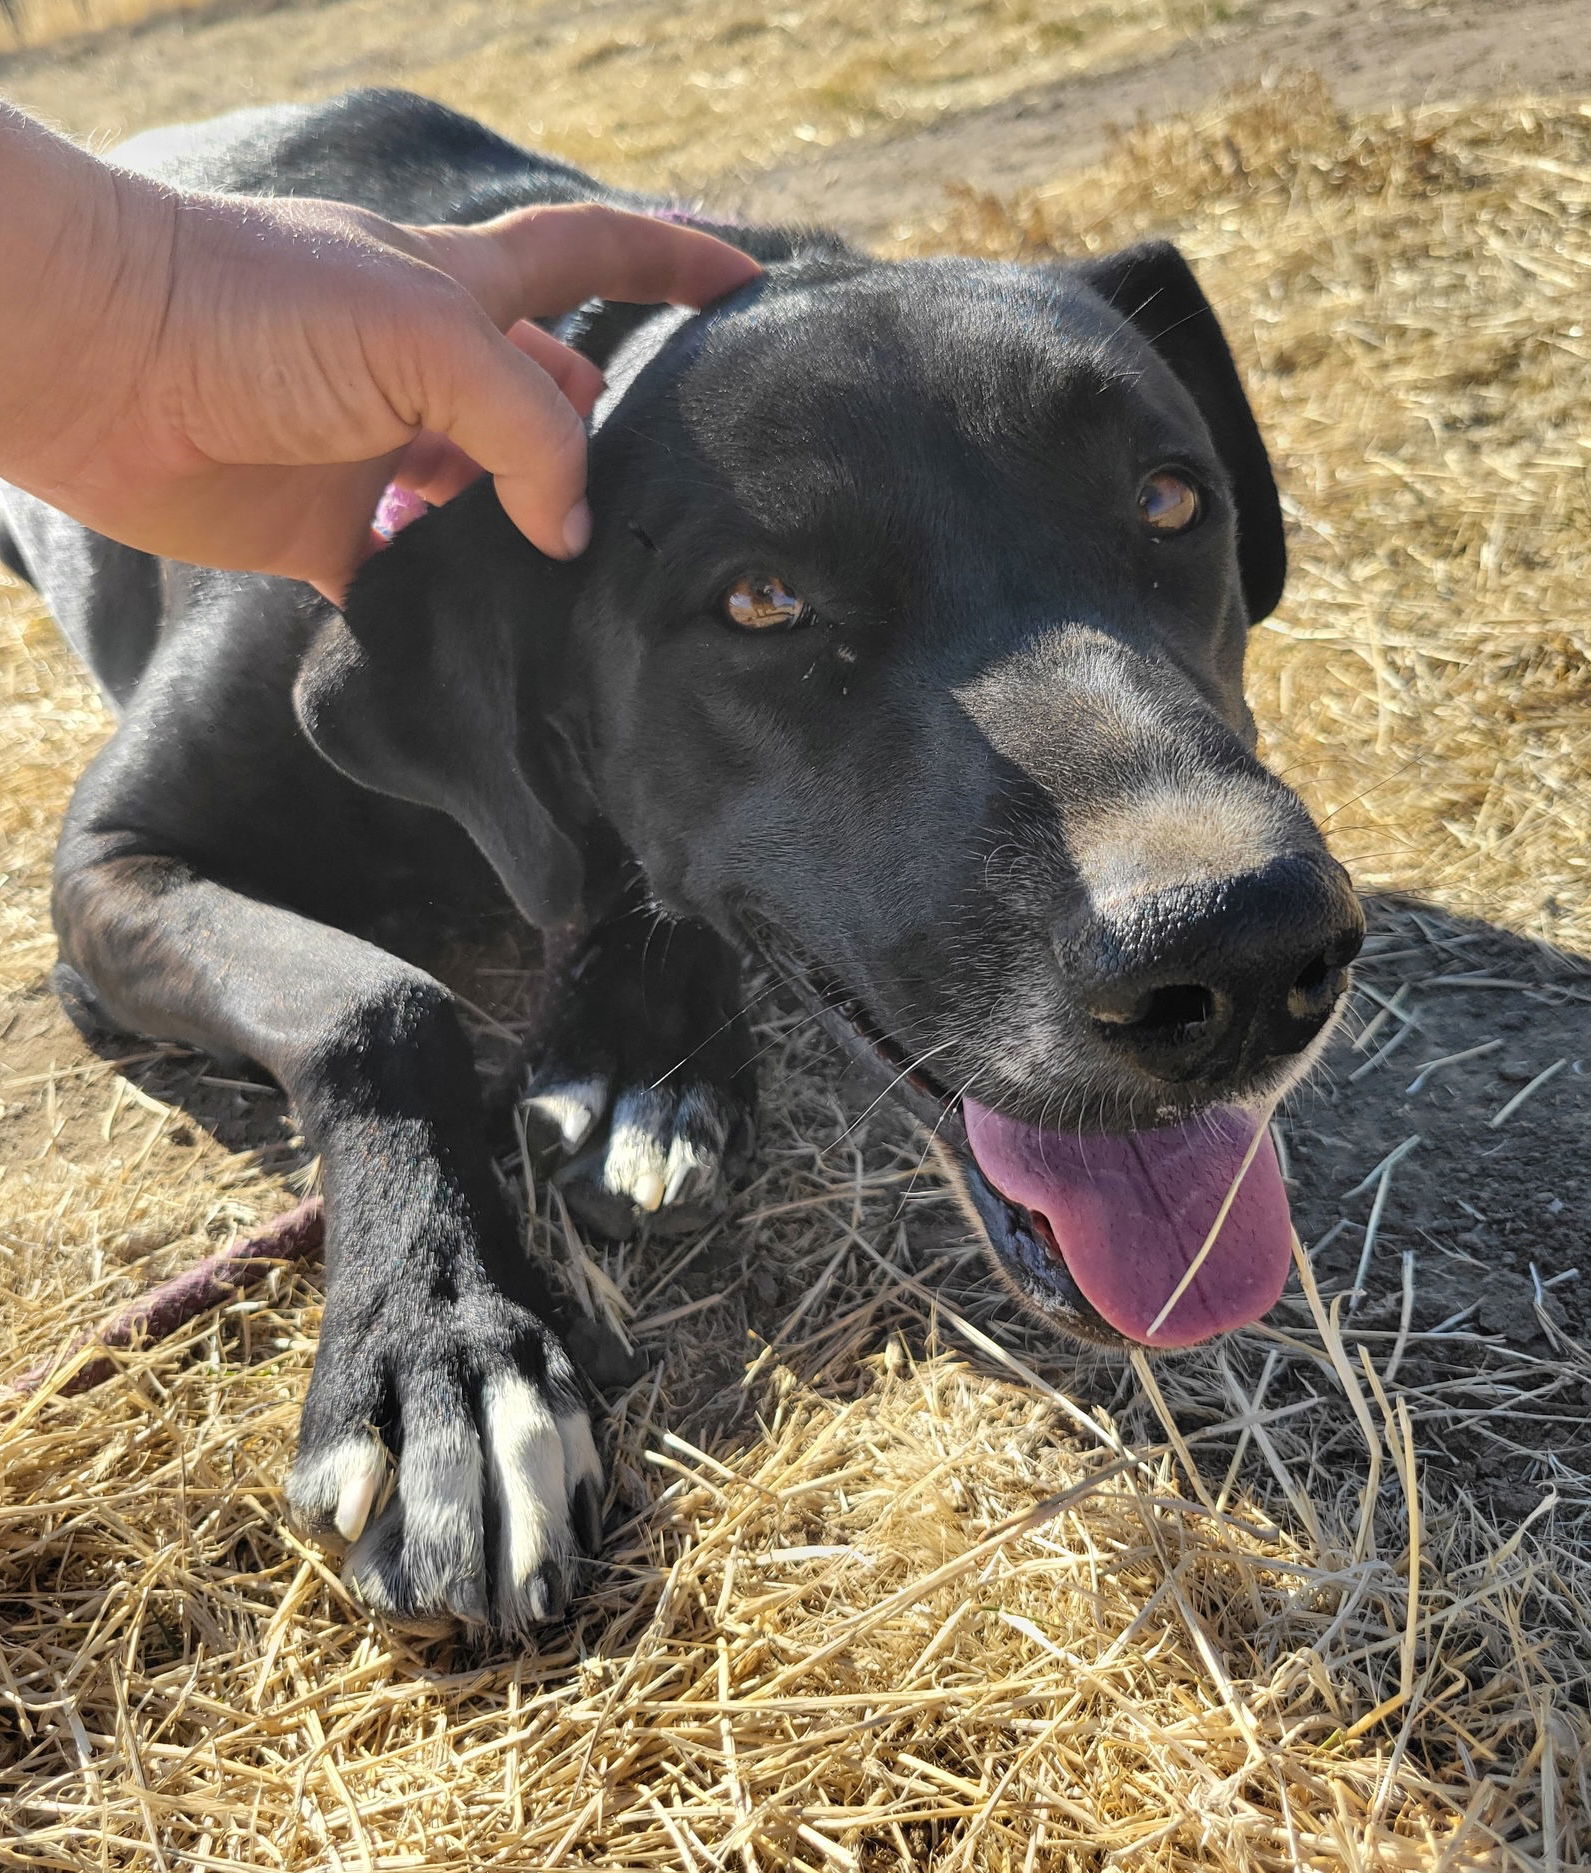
(577, 529)
(396, 508)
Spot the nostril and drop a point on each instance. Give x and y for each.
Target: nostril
(1163, 1013)
(1318, 984)
(1314, 977)
(1182, 1005)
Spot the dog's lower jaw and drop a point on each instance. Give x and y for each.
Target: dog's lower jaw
(1046, 1296)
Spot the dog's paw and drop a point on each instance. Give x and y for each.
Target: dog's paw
(455, 1464)
(641, 1104)
(662, 1155)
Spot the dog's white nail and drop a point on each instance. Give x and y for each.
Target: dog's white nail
(358, 1495)
(647, 1191)
(676, 1182)
(573, 1109)
(686, 1162)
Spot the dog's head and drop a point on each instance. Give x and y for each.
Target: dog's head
(909, 646)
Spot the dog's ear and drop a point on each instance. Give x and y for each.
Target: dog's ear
(1153, 288)
(432, 685)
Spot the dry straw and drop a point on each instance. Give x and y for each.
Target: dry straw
(893, 1582)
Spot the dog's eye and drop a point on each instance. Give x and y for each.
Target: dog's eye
(763, 605)
(1168, 503)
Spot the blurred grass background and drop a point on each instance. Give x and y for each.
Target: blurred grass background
(652, 92)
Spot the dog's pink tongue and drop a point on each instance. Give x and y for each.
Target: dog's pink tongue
(1130, 1215)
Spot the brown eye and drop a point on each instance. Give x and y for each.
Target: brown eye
(763, 605)
(1168, 503)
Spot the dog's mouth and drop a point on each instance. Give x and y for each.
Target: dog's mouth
(1171, 1236)
(1165, 1237)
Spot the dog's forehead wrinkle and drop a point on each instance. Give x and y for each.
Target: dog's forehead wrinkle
(811, 413)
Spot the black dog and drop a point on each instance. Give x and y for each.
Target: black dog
(907, 654)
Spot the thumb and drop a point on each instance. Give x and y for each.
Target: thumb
(502, 409)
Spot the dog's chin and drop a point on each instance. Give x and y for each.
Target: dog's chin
(1019, 1241)
(1016, 1244)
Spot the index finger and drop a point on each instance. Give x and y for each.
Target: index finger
(538, 262)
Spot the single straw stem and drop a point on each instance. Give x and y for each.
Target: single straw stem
(1525, 1092)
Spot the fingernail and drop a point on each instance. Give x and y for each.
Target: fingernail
(398, 507)
(577, 528)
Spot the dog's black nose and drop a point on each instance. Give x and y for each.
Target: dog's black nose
(1211, 979)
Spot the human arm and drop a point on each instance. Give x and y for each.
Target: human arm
(232, 380)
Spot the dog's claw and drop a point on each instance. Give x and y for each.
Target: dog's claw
(568, 1110)
(467, 1602)
(691, 1169)
(331, 1492)
(359, 1494)
(546, 1594)
(586, 1511)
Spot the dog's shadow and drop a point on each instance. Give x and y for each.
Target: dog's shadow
(1463, 1060)
(494, 964)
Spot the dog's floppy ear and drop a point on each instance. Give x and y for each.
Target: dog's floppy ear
(432, 686)
(1153, 288)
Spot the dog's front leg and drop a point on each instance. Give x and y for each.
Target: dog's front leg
(442, 1438)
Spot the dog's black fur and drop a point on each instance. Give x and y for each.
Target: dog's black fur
(990, 802)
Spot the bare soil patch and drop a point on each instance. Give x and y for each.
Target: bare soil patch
(650, 92)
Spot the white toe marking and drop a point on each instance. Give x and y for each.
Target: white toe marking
(636, 1166)
(527, 1457)
(439, 1481)
(423, 1556)
(573, 1108)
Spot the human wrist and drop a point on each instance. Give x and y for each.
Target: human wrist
(86, 248)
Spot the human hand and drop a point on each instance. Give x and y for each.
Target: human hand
(232, 381)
